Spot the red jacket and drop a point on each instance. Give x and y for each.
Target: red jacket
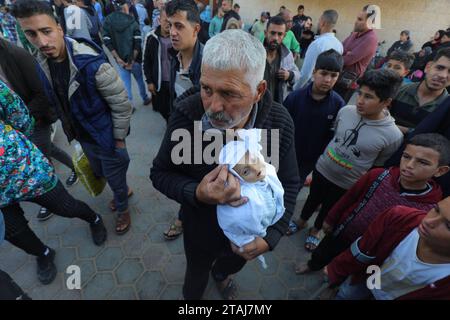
(385, 196)
(380, 239)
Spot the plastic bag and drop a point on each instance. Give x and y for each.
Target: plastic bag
(93, 184)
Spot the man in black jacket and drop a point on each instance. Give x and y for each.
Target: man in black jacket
(19, 70)
(229, 14)
(233, 96)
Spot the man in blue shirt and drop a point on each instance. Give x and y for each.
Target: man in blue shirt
(313, 110)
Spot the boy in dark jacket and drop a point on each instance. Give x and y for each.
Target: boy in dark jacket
(411, 248)
(157, 65)
(425, 157)
(313, 110)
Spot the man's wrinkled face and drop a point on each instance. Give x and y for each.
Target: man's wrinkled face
(227, 97)
(275, 35)
(45, 34)
(183, 33)
(438, 74)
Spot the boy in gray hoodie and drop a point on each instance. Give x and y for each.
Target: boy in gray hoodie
(365, 136)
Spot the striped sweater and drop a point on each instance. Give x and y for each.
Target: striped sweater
(179, 181)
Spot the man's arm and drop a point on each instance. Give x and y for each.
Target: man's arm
(111, 88)
(294, 73)
(363, 49)
(308, 66)
(38, 105)
(165, 175)
(137, 41)
(149, 60)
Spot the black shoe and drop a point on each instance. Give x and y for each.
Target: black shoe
(72, 179)
(44, 214)
(46, 269)
(98, 232)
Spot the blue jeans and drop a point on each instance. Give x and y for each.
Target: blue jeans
(112, 165)
(357, 291)
(136, 71)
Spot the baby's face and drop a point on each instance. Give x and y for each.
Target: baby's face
(251, 169)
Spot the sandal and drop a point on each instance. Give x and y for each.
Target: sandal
(112, 205)
(123, 222)
(292, 228)
(311, 243)
(229, 291)
(173, 232)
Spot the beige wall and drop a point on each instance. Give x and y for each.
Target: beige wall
(422, 17)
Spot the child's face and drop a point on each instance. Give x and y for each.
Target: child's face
(398, 67)
(369, 104)
(435, 228)
(251, 169)
(324, 80)
(420, 164)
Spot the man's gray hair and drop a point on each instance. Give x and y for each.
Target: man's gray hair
(330, 17)
(237, 50)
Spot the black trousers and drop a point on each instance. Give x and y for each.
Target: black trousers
(322, 192)
(161, 101)
(9, 290)
(58, 201)
(207, 250)
(329, 248)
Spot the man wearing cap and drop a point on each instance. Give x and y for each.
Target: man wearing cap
(260, 25)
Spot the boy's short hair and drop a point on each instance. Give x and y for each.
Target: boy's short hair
(384, 82)
(330, 60)
(174, 6)
(30, 8)
(301, 7)
(407, 59)
(434, 141)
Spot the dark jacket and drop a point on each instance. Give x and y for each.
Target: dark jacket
(21, 70)
(152, 59)
(96, 95)
(121, 33)
(179, 181)
(194, 69)
(313, 121)
(402, 46)
(230, 14)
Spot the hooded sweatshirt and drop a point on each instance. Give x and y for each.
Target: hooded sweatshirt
(358, 145)
(121, 33)
(386, 195)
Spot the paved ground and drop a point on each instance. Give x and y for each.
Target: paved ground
(141, 264)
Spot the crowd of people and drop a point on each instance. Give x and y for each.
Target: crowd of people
(370, 139)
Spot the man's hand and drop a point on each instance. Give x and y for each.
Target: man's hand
(120, 144)
(283, 74)
(129, 66)
(120, 62)
(251, 250)
(327, 229)
(152, 88)
(220, 187)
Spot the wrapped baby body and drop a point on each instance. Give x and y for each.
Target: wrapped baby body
(259, 183)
